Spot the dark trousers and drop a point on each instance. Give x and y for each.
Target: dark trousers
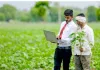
(62, 55)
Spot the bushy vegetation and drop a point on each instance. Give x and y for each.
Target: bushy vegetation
(24, 47)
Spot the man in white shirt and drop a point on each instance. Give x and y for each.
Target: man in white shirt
(83, 54)
(63, 50)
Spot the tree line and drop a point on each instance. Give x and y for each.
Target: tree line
(43, 12)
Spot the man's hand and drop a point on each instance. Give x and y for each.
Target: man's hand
(57, 38)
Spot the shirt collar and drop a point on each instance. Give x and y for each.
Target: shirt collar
(83, 27)
(69, 23)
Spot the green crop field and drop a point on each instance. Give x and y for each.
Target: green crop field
(24, 47)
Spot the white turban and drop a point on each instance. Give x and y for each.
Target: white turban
(81, 19)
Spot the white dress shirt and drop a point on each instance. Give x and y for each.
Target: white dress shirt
(69, 29)
(89, 38)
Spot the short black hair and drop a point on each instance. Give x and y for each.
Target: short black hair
(68, 12)
(81, 14)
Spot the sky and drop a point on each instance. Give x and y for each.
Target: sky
(26, 5)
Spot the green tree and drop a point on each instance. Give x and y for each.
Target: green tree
(40, 10)
(91, 14)
(34, 14)
(98, 14)
(24, 16)
(9, 11)
(53, 14)
(2, 17)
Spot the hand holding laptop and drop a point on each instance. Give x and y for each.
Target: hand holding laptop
(50, 36)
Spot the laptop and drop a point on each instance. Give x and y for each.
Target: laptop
(50, 36)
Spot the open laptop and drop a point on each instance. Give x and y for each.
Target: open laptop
(50, 36)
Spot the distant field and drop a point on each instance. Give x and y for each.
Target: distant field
(23, 47)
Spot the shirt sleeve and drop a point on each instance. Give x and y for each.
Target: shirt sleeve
(68, 40)
(91, 37)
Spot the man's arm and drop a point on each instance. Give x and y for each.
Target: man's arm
(90, 37)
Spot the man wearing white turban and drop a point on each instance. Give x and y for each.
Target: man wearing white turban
(83, 54)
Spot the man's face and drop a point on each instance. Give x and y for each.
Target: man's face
(79, 23)
(68, 18)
